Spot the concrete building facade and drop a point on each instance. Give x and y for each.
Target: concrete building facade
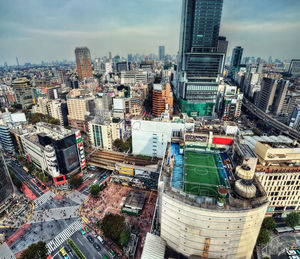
(83, 63)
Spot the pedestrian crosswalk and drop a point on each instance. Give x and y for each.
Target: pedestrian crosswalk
(77, 196)
(44, 198)
(64, 235)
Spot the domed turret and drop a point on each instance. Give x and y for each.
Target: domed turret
(245, 189)
(244, 172)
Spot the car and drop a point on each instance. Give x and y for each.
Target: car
(86, 229)
(82, 231)
(293, 257)
(112, 252)
(105, 257)
(62, 252)
(38, 184)
(90, 239)
(35, 187)
(44, 187)
(35, 180)
(67, 248)
(97, 247)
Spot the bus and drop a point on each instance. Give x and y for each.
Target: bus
(282, 230)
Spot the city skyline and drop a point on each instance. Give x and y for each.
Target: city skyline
(35, 31)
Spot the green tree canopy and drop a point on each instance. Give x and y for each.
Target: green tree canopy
(124, 238)
(112, 226)
(35, 251)
(269, 223)
(95, 189)
(123, 146)
(292, 219)
(75, 181)
(17, 106)
(263, 237)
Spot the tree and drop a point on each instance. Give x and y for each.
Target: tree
(35, 251)
(292, 219)
(263, 237)
(112, 226)
(118, 143)
(95, 189)
(124, 238)
(17, 106)
(15, 180)
(269, 223)
(75, 181)
(20, 158)
(54, 121)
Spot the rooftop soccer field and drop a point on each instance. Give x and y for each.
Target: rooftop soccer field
(201, 175)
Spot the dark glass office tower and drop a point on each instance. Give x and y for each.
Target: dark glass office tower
(6, 186)
(201, 56)
(236, 58)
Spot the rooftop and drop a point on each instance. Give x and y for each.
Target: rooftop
(202, 176)
(135, 200)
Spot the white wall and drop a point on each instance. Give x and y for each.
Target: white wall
(150, 138)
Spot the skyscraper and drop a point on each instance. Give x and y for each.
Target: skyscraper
(236, 57)
(201, 56)
(294, 68)
(83, 63)
(161, 52)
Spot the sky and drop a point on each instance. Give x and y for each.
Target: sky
(36, 30)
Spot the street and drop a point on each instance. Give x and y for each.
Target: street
(87, 248)
(22, 175)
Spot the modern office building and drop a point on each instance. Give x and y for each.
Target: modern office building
(201, 57)
(54, 149)
(161, 52)
(5, 139)
(294, 68)
(236, 59)
(272, 95)
(162, 99)
(134, 77)
(206, 211)
(6, 186)
(23, 91)
(83, 63)
(58, 110)
(104, 132)
(77, 104)
(123, 66)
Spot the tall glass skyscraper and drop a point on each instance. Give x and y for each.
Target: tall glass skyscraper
(236, 58)
(201, 56)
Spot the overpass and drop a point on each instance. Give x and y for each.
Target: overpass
(108, 159)
(269, 120)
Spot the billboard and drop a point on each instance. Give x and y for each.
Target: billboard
(71, 157)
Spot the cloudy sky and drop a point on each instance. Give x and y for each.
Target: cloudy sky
(35, 30)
